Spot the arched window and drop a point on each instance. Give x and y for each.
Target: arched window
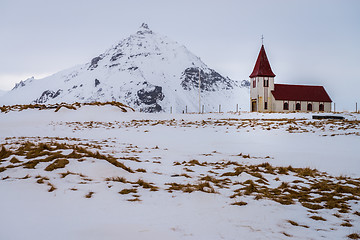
(309, 107)
(286, 106)
(298, 107)
(321, 107)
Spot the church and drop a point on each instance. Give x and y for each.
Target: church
(266, 96)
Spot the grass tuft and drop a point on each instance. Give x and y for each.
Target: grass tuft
(128, 191)
(318, 218)
(312, 206)
(239, 203)
(52, 187)
(354, 236)
(116, 179)
(146, 185)
(293, 223)
(14, 160)
(134, 200)
(59, 163)
(89, 195)
(346, 224)
(4, 153)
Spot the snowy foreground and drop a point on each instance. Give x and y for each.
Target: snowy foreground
(100, 173)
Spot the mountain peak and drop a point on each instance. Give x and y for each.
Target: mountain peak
(144, 28)
(23, 83)
(144, 25)
(147, 71)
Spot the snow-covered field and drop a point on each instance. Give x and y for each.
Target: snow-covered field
(99, 173)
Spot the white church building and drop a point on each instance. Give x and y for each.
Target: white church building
(266, 96)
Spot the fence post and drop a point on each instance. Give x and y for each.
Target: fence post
(170, 110)
(237, 108)
(219, 108)
(185, 109)
(203, 108)
(356, 107)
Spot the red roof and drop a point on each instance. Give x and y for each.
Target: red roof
(300, 93)
(262, 67)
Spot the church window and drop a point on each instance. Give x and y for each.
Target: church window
(266, 82)
(309, 107)
(265, 106)
(298, 107)
(286, 106)
(321, 107)
(254, 83)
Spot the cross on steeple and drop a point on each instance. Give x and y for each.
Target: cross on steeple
(262, 39)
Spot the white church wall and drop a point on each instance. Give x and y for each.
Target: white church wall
(327, 107)
(278, 106)
(262, 94)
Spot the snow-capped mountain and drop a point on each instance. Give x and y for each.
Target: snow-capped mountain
(146, 71)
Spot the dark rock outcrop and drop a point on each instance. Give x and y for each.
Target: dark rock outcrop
(116, 56)
(150, 96)
(245, 83)
(212, 81)
(97, 82)
(47, 95)
(94, 63)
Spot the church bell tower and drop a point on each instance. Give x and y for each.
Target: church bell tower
(261, 84)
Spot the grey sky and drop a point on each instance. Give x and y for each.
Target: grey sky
(307, 41)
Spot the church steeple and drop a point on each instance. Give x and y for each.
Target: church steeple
(262, 67)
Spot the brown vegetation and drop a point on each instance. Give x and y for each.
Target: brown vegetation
(57, 107)
(89, 195)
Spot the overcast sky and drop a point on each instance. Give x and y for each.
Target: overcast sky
(307, 41)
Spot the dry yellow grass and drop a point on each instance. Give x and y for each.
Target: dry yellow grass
(354, 236)
(89, 195)
(116, 179)
(57, 107)
(52, 187)
(59, 163)
(318, 218)
(4, 153)
(128, 191)
(146, 185)
(239, 203)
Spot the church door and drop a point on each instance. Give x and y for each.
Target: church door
(253, 106)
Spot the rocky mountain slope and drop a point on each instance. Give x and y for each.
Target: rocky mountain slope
(146, 71)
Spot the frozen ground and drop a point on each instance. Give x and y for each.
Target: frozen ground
(99, 173)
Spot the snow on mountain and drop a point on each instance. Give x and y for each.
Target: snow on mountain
(146, 71)
(2, 92)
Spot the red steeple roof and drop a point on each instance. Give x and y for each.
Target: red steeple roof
(300, 93)
(262, 67)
